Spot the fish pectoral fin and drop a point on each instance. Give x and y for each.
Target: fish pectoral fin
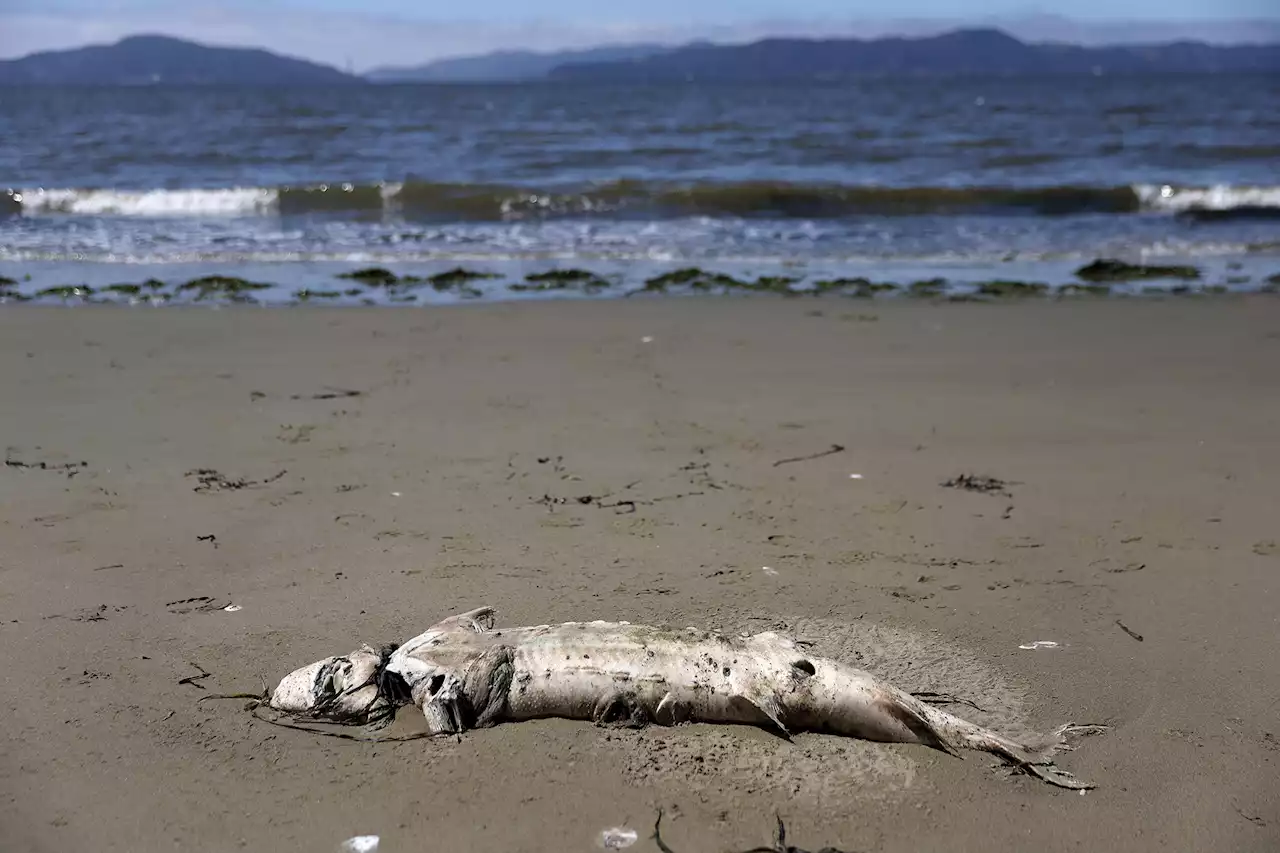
(768, 705)
(442, 707)
(486, 683)
(671, 711)
(621, 710)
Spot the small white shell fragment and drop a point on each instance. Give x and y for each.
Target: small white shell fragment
(617, 838)
(395, 494)
(647, 339)
(360, 844)
(768, 570)
(855, 476)
(1039, 644)
(232, 608)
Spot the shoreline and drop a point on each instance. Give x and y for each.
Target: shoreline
(1136, 441)
(444, 282)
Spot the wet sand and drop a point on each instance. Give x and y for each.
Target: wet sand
(368, 471)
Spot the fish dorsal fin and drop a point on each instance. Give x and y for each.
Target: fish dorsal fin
(479, 620)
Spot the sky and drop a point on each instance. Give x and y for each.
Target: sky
(362, 34)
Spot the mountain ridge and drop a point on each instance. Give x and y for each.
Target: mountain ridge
(507, 66)
(960, 52)
(148, 59)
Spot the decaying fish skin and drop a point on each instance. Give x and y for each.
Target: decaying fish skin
(343, 688)
(463, 673)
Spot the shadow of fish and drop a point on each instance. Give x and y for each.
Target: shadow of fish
(780, 844)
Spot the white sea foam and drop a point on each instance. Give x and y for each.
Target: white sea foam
(1221, 197)
(237, 201)
(250, 201)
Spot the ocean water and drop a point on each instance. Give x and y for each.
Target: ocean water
(889, 179)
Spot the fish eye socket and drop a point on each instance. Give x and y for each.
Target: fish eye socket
(804, 667)
(437, 681)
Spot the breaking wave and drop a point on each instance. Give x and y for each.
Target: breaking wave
(634, 199)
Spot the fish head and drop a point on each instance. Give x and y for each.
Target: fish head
(345, 689)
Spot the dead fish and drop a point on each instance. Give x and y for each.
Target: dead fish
(465, 674)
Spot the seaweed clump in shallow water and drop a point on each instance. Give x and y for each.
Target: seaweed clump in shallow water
(306, 294)
(123, 289)
(457, 280)
(9, 294)
(1085, 290)
(456, 277)
(150, 288)
(563, 279)
(1004, 289)
(66, 291)
(233, 288)
(693, 278)
(927, 287)
(1107, 269)
(862, 288)
(372, 276)
(779, 284)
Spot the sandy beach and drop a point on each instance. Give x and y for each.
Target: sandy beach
(353, 475)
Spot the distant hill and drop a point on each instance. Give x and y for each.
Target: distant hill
(151, 60)
(962, 52)
(508, 65)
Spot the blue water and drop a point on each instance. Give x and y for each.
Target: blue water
(968, 179)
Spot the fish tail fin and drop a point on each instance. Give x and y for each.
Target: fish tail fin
(957, 733)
